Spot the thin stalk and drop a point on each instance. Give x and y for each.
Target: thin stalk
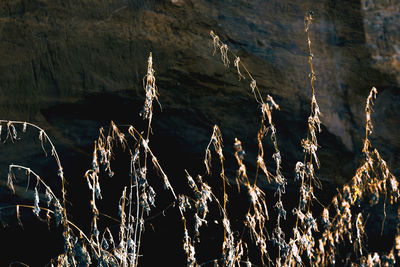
(81, 233)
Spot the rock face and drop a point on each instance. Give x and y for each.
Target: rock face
(60, 57)
(72, 66)
(381, 25)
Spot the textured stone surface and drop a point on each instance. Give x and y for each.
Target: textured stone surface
(60, 55)
(382, 34)
(72, 66)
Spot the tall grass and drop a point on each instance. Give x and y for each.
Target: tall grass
(337, 235)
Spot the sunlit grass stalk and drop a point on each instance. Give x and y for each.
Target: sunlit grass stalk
(371, 180)
(43, 137)
(372, 183)
(258, 200)
(228, 243)
(303, 240)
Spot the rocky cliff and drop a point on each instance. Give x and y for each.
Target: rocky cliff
(72, 66)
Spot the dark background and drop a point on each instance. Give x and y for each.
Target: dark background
(73, 66)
